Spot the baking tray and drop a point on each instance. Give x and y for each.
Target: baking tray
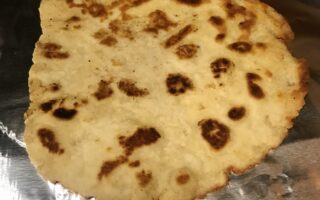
(291, 172)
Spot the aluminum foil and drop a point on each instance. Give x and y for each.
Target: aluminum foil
(291, 172)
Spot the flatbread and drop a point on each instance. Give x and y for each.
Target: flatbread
(146, 99)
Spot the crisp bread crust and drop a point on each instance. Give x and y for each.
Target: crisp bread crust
(90, 91)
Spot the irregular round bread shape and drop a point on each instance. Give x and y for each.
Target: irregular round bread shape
(146, 99)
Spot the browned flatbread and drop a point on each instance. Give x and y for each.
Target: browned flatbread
(150, 99)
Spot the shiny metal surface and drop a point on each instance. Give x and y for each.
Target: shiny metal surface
(291, 172)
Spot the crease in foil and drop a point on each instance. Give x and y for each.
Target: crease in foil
(12, 135)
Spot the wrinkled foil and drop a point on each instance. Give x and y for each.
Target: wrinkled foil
(291, 172)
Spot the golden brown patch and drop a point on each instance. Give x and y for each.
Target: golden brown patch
(241, 47)
(134, 163)
(248, 24)
(54, 87)
(53, 51)
(268, 73)
(121, 28)
(84, 101)
(129, 88)
(64, 113)
(109, 41)
(117, 62)
(114, 26)
(187, 51)
(191, 2)
(141, 137)
(219, 23)
(93, 8)
(115, 4)
(220, 37)
(237, 113)
(233, 9)
(124, 8)
(48, 140)
(109, 166)
(138, 2)
(99, 35)
(179, 36)
(183, 179)
(215, 133)
(254, 89)
(221, 65)
(73, 19)
(261, 45)
(159, 21)
(105, 38)
(178, 84)
(51, 46)
(104, 90)
(216, 21)
(97, 10)
(47, 106)
(144, 178)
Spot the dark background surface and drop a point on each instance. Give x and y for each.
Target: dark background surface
(20, 29)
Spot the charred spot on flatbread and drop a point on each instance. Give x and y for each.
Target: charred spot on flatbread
(178, 84)
(109, 41)
(237, 113)
(64, 113)
(47, 106)
(104, 90)
(261, 45)
(221, 65)
(138, 2)
(215, 133)
(187, 51)
(109, 166)
(191, 2)
(159, 21)
(48, 140)
(130, 89)
(216, 20)
(220, 37)
(53, 51)
(183, 179)
(97, 10)
(54, 87)
(248, 24)
(254, 89)
(141, 137)
(241, 47)
(234, 9)
(134, 164)
(73, 19)
(144, 178)
(176, 38)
